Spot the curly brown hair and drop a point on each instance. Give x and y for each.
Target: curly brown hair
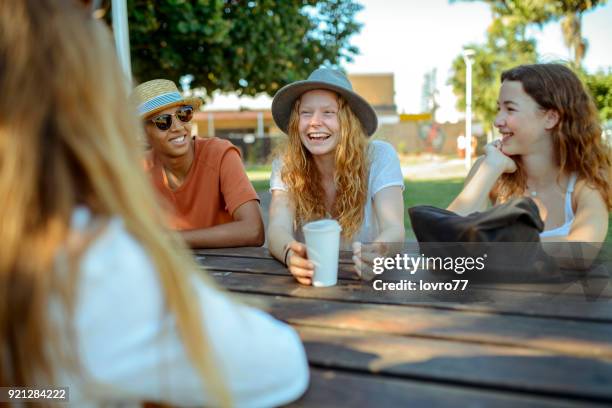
(302, 178)
(577, 142)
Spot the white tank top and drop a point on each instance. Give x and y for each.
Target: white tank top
(564, 229)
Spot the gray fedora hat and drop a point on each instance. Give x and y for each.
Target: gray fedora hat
(323, 78)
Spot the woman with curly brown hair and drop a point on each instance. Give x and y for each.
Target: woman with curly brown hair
(329, 170)
(551, 150)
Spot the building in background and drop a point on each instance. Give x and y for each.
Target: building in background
(379, 91)
(247, 121)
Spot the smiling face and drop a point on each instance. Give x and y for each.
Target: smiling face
(174, 142)
(318, 126)
(523, 124)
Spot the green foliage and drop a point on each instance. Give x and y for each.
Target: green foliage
(245, 46)
(600, 85)
(539, 12)
(508, 45)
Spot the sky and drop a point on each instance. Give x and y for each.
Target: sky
(410, 37)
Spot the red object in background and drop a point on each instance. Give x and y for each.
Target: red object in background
(431, 136)
(461, 147)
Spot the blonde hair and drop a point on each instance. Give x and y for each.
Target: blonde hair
(302, 178)
(68, 138)
(577, 142)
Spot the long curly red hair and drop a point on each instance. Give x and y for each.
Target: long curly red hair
(577, 142)
(302, 177)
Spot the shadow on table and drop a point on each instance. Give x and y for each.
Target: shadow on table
(562, 374)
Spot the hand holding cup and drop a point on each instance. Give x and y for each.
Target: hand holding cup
(297, 262)
(323, 247)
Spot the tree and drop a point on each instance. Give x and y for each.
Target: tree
(600, 86)
(429, 93)
(507, 45)
(245, 46)
(540, 12)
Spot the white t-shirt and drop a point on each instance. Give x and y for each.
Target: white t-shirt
(129, 348)
(385, 171)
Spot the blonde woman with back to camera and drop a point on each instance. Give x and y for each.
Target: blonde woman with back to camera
(94, 294)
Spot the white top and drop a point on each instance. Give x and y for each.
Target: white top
(564, 229)
(129, 348)
(385, 171)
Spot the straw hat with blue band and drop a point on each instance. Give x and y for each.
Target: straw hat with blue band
(156, 95)
(331, 80)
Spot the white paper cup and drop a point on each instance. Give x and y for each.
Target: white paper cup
(323, 247)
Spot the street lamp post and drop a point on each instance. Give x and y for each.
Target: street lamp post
(122, 37)
(467, 57)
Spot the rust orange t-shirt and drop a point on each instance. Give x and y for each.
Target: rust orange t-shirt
(215, 187)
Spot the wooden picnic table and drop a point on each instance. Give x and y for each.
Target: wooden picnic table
(544, 345)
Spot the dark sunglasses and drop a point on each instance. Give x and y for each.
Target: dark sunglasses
(164, 122)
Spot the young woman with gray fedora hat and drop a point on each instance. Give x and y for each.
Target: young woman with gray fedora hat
(209, 198)
(329, 170)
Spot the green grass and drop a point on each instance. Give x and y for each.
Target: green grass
(259, 172)
(438, 193)
(259, 167)
(260, 185)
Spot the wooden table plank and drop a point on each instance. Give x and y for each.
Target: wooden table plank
(261, 266)
(580, 339)
(597, 281)
(330, 388)
(252, 252)
(243, 252)
(595, 286)
(506, 302)
(509, 344)
(503, 368)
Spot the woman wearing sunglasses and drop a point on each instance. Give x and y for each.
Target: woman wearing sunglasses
(208, 195)
(94, 295)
